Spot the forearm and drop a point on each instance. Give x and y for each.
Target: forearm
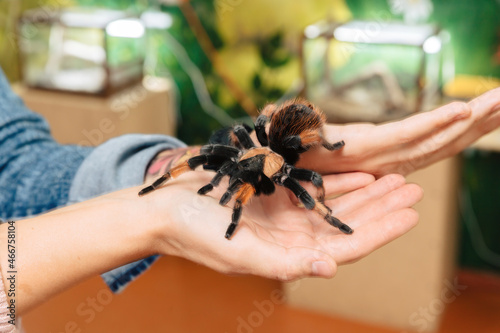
(60, 249)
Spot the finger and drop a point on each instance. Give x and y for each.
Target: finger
(486, 103)
(274, 261)
(374, 209)
(485, 118)
(369, 237)
(487, 125)
(335, 185)
(483, 108)
(416, 129)
(492, 122)
(457, 136)
(346, 182)
(421, 125)
(403, 197)
(348, 203)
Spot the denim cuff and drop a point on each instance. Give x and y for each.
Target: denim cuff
(118, 278)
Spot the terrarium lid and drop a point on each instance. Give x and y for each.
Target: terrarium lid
(74, 17)
(384, 32)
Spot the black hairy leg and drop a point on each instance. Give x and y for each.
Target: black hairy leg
(332, 220)
(245, 192)
(310, 203)
(216, 162)
(241, 136)
(309, 176)
(227, 169)
(333, 146)
(294, 186)
(306, 139)
(189, 165)
(223, 136)
(260, 129)
(220, 150)
(293, 145)
(218, 155)
(260, 124)
(234, 186)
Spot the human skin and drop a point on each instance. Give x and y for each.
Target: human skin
(286, 242)
(410, 144)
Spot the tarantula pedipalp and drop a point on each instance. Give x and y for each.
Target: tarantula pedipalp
(294, 128)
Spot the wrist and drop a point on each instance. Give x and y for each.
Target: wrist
(154, 221)
(126, 220)
(171, 209)
(162, 204)
(146, 224)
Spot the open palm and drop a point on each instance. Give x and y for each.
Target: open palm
(278, 239)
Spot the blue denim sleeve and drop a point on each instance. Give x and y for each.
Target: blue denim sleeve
(35, 171)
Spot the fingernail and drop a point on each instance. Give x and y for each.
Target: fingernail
(321, 268)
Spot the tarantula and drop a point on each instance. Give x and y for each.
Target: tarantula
(294, 127)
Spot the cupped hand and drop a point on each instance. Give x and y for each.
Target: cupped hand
(410, 144)
(276, 238)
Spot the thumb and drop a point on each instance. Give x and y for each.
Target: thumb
(288, 264)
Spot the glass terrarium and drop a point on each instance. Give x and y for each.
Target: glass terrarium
(374, 71)
(92, 51)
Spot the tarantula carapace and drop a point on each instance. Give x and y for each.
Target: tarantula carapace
(294, 127)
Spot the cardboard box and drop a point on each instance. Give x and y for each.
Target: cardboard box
(91, 120)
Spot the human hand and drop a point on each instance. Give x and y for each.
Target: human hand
(410, 144)
(276, 238)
